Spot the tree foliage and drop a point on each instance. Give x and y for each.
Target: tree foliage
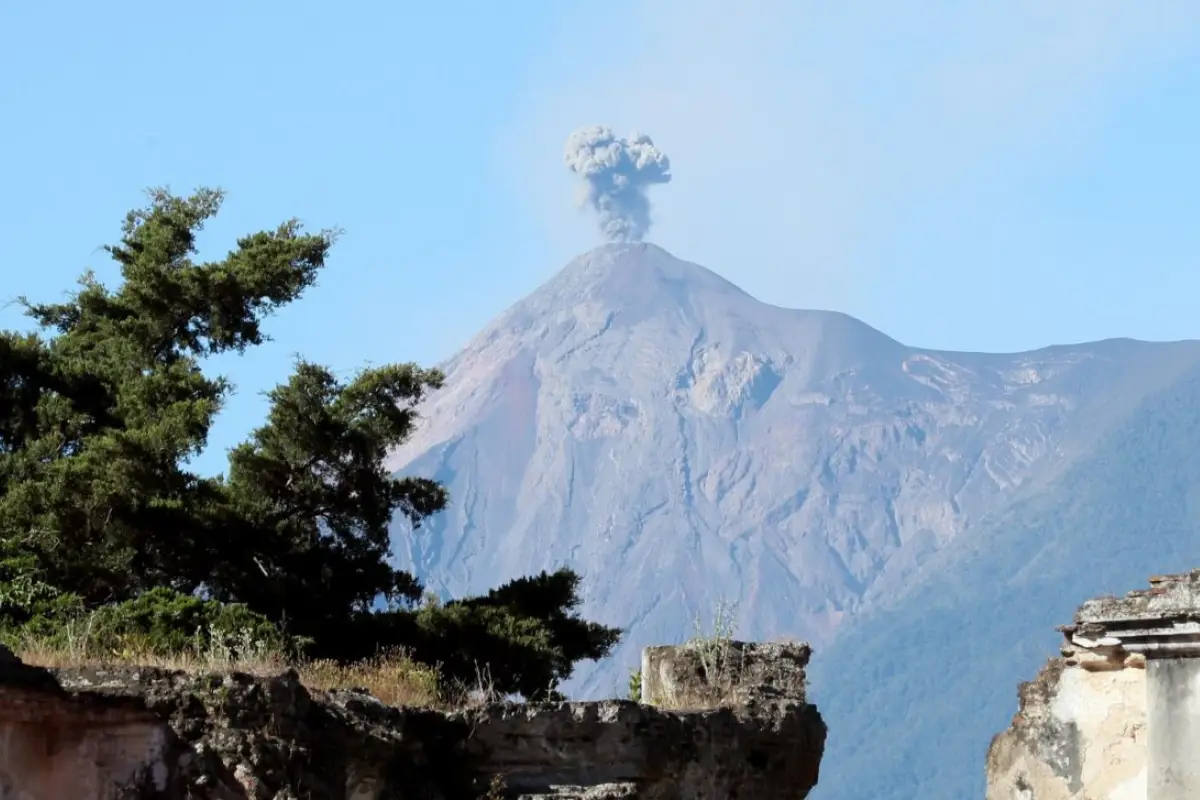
(102, 407)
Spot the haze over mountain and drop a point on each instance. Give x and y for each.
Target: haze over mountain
(681, 443)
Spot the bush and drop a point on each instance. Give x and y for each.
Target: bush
(29, 605)
(165, 622)
(525, 635)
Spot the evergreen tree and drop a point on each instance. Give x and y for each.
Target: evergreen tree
(101, 410)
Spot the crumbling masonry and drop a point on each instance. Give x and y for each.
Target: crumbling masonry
(1118, 715)
(130, 733)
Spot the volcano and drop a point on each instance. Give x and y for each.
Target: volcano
(685, 446)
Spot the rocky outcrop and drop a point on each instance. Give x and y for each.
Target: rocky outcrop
(1117, 716)
(136, 733)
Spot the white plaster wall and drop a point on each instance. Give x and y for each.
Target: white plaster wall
(1103, 756)
(1109, 708)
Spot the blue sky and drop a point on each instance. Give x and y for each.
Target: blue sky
(962, 175)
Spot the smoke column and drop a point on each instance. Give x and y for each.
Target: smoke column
(616, 173)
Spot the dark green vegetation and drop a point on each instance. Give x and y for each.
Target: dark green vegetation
(915, 693)
(100, 517)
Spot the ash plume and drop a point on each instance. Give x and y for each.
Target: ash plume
(616, 173)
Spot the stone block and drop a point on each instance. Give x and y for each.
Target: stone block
(724, 673)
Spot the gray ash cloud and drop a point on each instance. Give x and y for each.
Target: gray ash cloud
(616, 172)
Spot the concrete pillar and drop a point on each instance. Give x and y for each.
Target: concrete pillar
(1173, 728)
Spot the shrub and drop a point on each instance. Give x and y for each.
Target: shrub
(29, 605)
(635, 685)
(165, 622)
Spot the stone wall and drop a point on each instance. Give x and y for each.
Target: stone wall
(1117, 716)
(130, 733)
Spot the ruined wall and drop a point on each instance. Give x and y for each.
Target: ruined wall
(51, 747)
(1118, 715)
(128, 733)
(715, 672)
(1079, 734)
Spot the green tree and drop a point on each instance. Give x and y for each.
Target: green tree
(310, 503)
(525, 632)
(102, 408)
(104, 412)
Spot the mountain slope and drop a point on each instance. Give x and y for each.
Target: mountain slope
(915, 693)
(679, 442)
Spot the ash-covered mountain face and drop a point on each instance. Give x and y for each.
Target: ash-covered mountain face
(682, 443)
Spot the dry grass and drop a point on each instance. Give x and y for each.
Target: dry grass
(393, 678)
(57, 656)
